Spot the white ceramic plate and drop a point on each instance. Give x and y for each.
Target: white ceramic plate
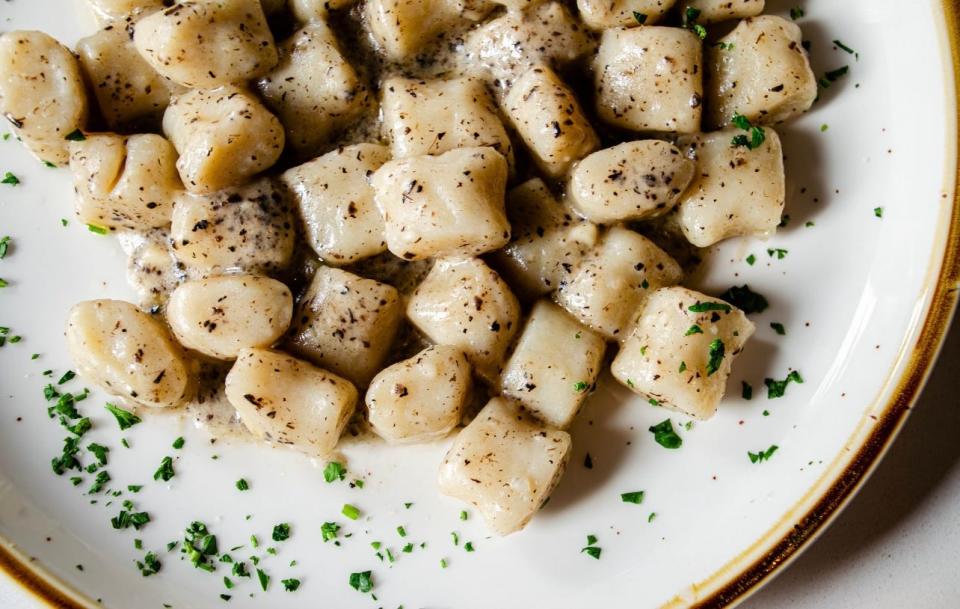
(864, 301)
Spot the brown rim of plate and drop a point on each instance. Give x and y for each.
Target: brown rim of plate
(847, 482)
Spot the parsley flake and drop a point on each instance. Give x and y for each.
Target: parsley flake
(664, 435)
(763, 455)
(334, 471)
(635, 497)
(125, 419)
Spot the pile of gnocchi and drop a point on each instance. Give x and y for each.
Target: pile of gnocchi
(432, 216)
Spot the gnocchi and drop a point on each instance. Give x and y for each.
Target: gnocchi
(288, 401)
(509, 488)
(421, 398)
(42, 94)
(128, 353)
(221, 316)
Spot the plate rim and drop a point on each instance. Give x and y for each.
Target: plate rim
(745, 574)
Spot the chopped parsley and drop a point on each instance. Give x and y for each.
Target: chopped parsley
(96, 228)
(747, 391)
(100, 452)
(243, 485)
(751, 259)
(715, 354)
(664, 435)
(746, 299)
(361, 582)
(592, 551)
(4, 245)
(763, 455)
(125, 418)
(10, 179)
(635, 497)
(777, 253)
(705, 307)
(402, 532)
(178, 443)
(468, 546)
(75, 136)
(263, 578)
(334, 471)
(350, 511)
(329, 531)
(797, 13)
(281, 532)
(776, 389)
(165, 471)
(778, 328)
(290, 585)
(757, 136)
(690, 17)
(683, 367)
(694, 329)
(640, 17)
(580, 386)
(150, 565)
(877, 211)
(464, 515)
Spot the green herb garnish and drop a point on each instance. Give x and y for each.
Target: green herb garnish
(664, 435)
(124, 418)
(632, 497)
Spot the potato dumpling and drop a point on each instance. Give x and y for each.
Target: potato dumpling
(287, 401)
(421, 398)
(614, 279)
(713, 11)
(680, 352)
(127, 352)
(602, 14)
(335, 200)
(463, 303)
(759, 70)
(401, 28)
(347, 324)
(131, 95)
(125, 182)
(314, 90)
(444, 205)
(506, 464)
(509, 45)
(152, 269)
(554, 365)
(548, 241)
(434, 116)
(735, 191)
(220, 316)
(224, 137)
(549, 119)
(249, 229)
(649, 79)
(110, 10)
(630, 181)
(207, 43)
(41, 93)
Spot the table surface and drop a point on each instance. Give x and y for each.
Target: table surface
(896, 545)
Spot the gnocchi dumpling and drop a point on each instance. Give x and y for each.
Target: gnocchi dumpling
(207, 43)
(631, 181)
(602, 14)
(463, 303)
(220, 316)
(125, 182)
(549, 119)
(614, 280)
(288, 401)
(548, 241)
(517, 40)
(444, 205)
(421, 398)
(761, 71)
(130, 354)
(224, 136)
(735, 191)
(335, 200)
(650, 79)
(131, 95)
(554, 365)
(42, 94)
(313, 90)
(249, 229)
(435, 116)
(347, 324)
(529, 460)
(403, 27)
(713, 11)
(681, 350)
